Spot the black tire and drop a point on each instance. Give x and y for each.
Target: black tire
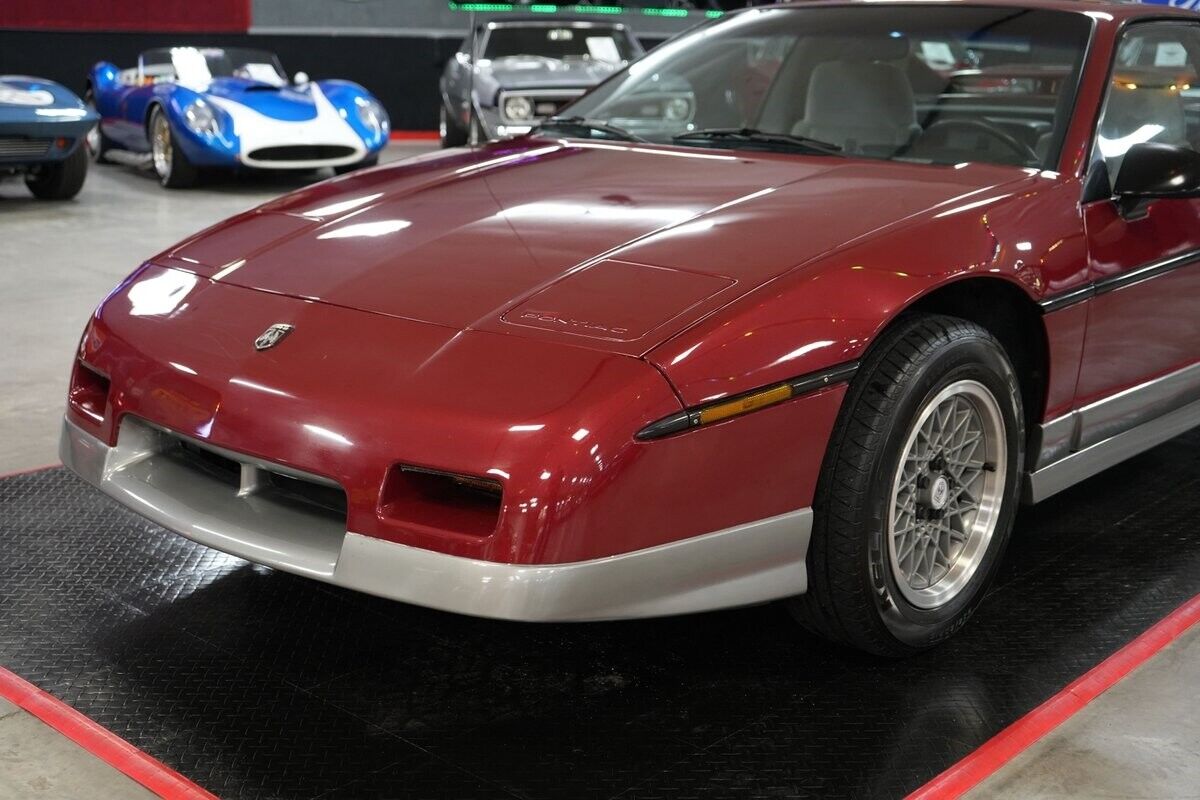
(61, 180)
(176, 172)
(96, 142)
(364, 164)
(450, 133)
(478, 134)
(853, 596)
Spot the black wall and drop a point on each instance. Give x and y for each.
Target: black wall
(401, 71)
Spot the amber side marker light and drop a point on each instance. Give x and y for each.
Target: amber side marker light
(745, 403)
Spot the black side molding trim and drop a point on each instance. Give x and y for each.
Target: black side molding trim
(1111, 284)
(1068, 298)
(804, 384)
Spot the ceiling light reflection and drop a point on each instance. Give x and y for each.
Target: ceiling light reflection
(367, 229)
(333, 209)
(161, 294)
(325, 433)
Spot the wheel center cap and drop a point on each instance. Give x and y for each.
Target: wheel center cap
(939, 492)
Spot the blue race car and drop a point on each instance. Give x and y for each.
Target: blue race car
(196, 107)
(42, 128)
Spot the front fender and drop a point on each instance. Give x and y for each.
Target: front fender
(218, 149)
(44, 109)
(103, 79)
(827, 312)
(346, 97)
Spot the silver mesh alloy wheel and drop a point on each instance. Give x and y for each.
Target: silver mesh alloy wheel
(947, 493)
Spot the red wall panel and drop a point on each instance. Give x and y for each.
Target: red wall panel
(127, 15)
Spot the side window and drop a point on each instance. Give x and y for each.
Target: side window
(1154, 92)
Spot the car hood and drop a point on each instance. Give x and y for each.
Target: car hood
(27, 99)
(605, 245)
(524, 72)
(287, 103)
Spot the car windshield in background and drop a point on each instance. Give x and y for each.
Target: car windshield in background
(925, 84)
(197, 66)
(590, 43)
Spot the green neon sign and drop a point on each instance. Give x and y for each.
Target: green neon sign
(548, 8)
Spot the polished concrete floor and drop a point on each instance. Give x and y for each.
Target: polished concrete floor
(57, 261)
(36, 763)
(1139, 741)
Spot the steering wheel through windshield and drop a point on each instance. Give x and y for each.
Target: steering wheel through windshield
(936, 137)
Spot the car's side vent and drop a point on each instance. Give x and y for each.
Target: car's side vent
(442, 501)
(88, 394)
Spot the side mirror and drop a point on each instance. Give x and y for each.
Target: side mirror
(1151, 170)
(300, 78)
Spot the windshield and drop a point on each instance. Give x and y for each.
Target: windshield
(922, 83)
(591, 43)
(197, 66)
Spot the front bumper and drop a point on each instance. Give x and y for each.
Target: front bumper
(742, 565)
(26, 144)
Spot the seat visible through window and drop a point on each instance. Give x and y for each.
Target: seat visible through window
(862, 106)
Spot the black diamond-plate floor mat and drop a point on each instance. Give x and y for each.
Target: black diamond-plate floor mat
(258, 684)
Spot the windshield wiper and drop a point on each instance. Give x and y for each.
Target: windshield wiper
(584, 124)
(735, 136)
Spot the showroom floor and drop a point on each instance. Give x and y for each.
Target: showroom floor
(260, 684)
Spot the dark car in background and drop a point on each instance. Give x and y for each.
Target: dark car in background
(525, 71)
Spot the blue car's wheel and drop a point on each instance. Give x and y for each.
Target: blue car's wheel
(173, 168)
(60, 180)
(97, 143)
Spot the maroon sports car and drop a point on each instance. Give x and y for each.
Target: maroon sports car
(706, 339)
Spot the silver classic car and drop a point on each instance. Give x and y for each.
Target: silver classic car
(525, 70)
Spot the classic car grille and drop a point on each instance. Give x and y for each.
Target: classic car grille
(248, 507)
(23, 147)
(297, 492)
(546, 103)
(549, 106)
(301, 152)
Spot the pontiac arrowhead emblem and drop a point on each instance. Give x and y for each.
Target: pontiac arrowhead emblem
(272, 336)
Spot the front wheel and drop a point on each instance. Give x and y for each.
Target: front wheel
(449, 132)
(97, 143)
(919, 489)
(170, 163)
(60, 180)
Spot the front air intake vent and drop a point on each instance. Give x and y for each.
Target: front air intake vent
(251, 479)
(23, 147)
(88, 395)
(302, 152)
(444, 502)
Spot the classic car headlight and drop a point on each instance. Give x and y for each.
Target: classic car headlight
(372, 115)
(518, 108)
(677, 108)
(200, 118)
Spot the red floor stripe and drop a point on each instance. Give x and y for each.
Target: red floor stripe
(414, 136)
(1016, 738)
(28, 471)
(105, 745)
